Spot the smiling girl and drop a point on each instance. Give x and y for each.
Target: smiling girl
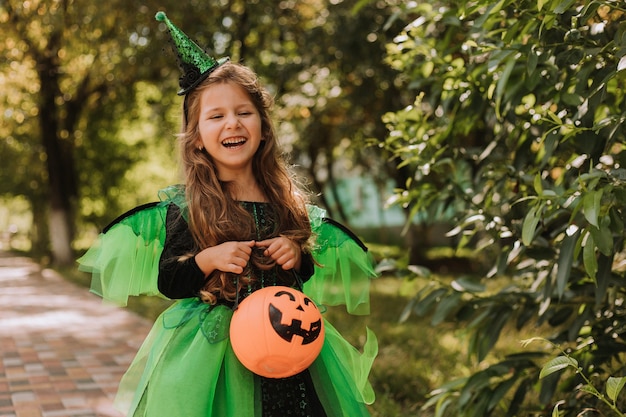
(230, 157)
(239, 223)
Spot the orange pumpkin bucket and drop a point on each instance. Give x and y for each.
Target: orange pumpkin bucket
(277, 332)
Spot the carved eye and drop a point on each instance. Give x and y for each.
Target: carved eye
(277, 332)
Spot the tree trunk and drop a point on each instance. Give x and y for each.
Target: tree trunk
(60, 167)
(417, 241)
(40, 232)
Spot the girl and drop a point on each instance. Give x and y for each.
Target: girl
(240, 223)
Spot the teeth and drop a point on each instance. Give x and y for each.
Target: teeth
(233, 141)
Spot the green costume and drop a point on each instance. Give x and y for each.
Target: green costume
(186, 366)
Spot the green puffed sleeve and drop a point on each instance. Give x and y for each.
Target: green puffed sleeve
(124, 259)
(345, 266)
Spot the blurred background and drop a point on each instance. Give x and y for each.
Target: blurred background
(90, 110)
(477, 147)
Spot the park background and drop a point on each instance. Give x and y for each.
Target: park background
(475, 146)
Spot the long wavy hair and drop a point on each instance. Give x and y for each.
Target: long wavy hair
(214, 215)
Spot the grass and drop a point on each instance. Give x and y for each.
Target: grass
(414, 357)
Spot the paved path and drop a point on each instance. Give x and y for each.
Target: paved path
(63, 351)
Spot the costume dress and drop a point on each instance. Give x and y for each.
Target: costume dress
(186, 366)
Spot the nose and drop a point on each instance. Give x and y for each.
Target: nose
(232, 121)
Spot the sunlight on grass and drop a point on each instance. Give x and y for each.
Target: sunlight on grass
(414, 357)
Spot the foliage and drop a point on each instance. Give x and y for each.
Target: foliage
(332, 87)
(564, 361)
(68, 81)
(109, 81)
(518, 129)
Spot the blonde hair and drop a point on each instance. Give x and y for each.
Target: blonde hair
(214, 216)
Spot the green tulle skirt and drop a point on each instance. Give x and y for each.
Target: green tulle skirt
(186, 367)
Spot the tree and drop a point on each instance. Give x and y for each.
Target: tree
(88, 82)
(342, 89)
(324, 61)
(518, 129)
(72, 58)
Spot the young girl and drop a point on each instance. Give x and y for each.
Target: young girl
(240, 223)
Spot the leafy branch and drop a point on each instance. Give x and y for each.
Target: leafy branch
(614, 385)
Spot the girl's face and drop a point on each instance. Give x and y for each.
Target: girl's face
(230, 128)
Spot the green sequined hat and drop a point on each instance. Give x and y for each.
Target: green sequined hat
(195, 63)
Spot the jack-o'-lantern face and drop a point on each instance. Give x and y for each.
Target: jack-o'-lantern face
(277, 332)
(294, 314)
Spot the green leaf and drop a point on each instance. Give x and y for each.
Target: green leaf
(537, 184)
(420, 271)
(407, 310)
(492, 334)
(572, 99)
(546, 23)
(425, 304)
(564, 6)
(518, 398)
(603, 238)
(589, 256)
(555, 118)
(445, 307)
(530, 225)
(467, 284)
(474, 384)
(504, 77)
(591, 206)
(531, 65)
(442, 405)
(617, 224)
(500, 391)
(589, 389)
(560, 316)
(603, 277)
(614, 386)
(557, 364)
(565, 262)
(491, 10)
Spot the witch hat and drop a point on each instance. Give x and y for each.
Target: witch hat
(193, 60)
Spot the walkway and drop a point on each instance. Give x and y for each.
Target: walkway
(63, 351)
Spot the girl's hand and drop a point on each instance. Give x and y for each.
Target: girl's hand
(284, 251)
(227, 257)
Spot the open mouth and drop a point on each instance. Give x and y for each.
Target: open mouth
(233, 142)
